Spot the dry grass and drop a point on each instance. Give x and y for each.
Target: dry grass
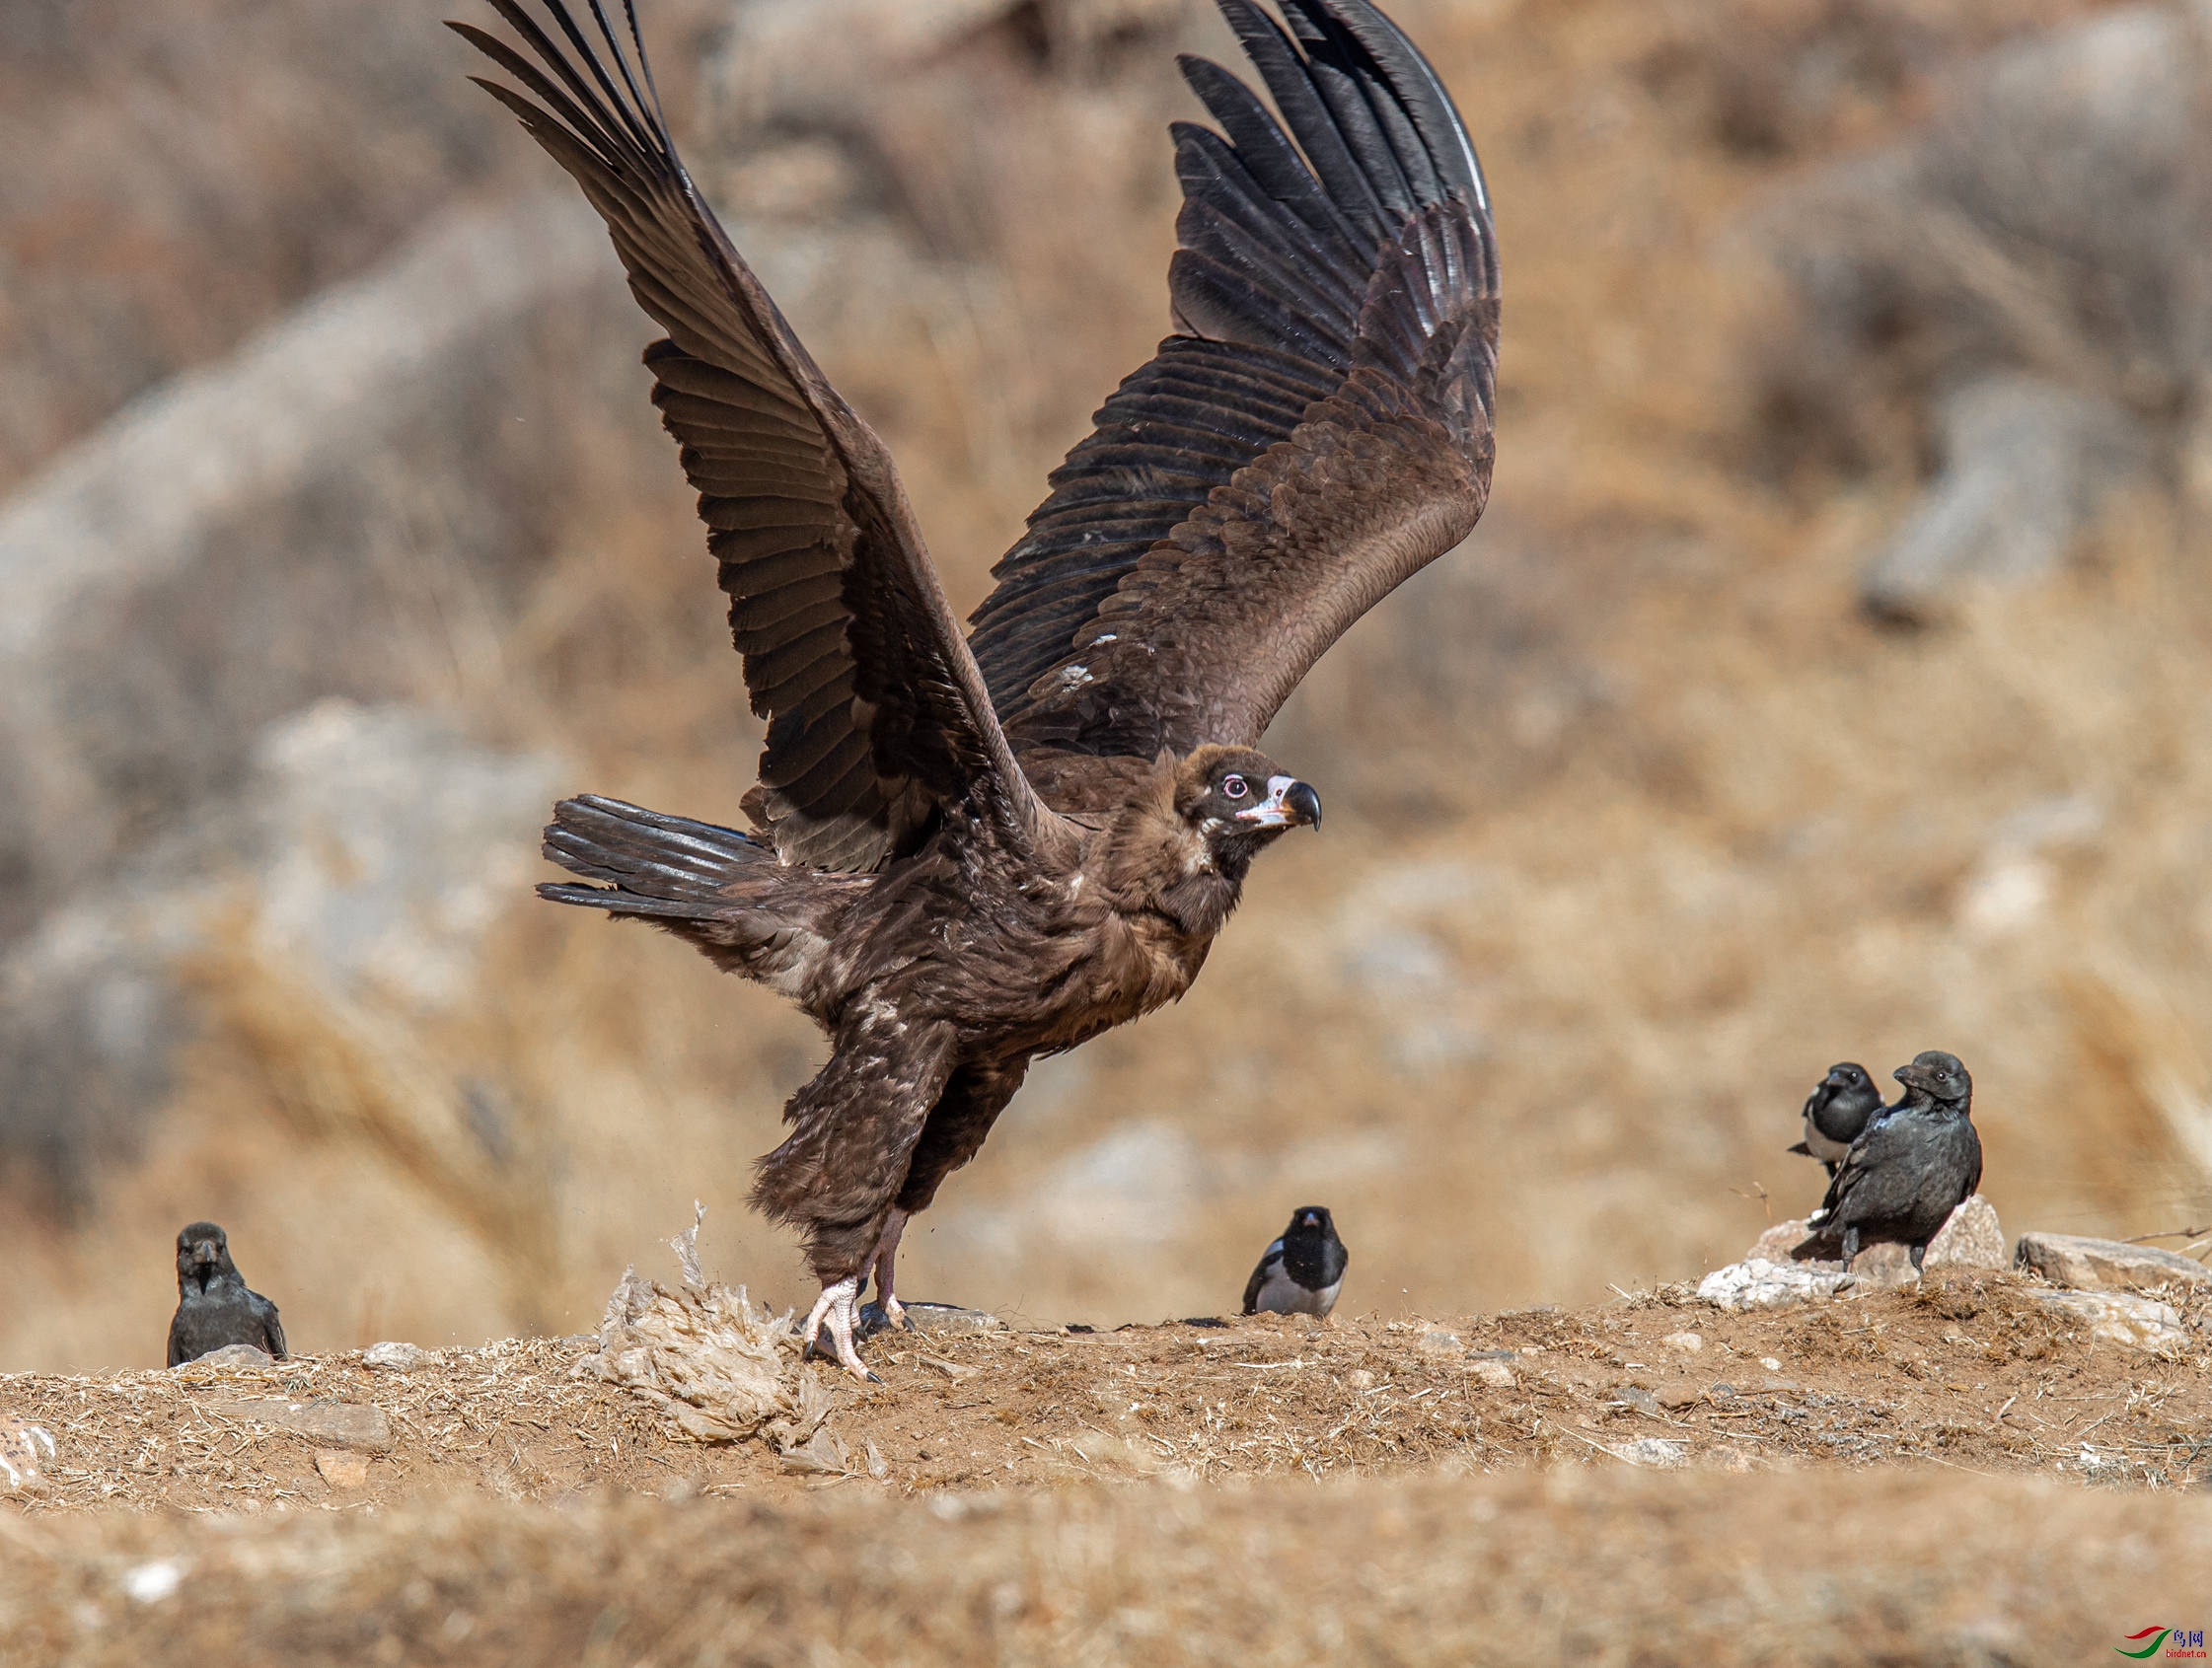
(1270, 1492)
(1971, 1371)
(1634, 828)
(1914, 1569)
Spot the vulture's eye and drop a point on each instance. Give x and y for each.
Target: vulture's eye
(1234, 787)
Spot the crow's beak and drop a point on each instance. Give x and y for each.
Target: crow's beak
(1912, 1077)
(1288, 804)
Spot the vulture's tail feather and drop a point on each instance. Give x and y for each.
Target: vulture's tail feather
(650, 863)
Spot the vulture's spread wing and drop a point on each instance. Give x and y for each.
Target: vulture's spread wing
(1319, 429)
(877, 712)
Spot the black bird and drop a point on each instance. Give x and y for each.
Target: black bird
(1301, 1273)
(1836, 1112)
(213, 1307)
(1907, 1172)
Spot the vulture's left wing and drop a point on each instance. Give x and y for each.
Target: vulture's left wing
(1319, 429)
(877, 712)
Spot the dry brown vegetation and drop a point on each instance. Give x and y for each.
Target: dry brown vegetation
(1418, 1491)
(1634, 827)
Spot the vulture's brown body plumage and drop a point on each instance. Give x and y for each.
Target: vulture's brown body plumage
(972, 849)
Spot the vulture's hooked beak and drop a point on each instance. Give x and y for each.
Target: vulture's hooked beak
(1290, 803)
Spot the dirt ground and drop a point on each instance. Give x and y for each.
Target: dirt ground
(1947, 1473)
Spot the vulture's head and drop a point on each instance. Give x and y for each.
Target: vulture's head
(1238, 800)
(203, 1255)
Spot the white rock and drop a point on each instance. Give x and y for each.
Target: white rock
(2095, 1265)
(2119, 1317)
(1971, 1239)
(232, 1355)
(398, 1357)
(1662, 1453)
(1688, 1341)
(1773, 1245)
(1760, 1285)
(1495, 1374)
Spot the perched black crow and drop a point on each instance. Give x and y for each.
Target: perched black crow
(1836, 1112)
(1301, 1273)
(213, 1306)
(968, 850)
(1907, 1172)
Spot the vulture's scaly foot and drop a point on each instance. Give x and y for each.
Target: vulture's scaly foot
(886, 1254)
(838, 1306)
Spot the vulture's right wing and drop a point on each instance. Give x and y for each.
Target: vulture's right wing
(877, 712)
(1319, 429)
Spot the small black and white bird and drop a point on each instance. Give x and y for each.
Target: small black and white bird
(1301, 1273)
(1836, 1112)
(213, 1307)
(1907, 1172)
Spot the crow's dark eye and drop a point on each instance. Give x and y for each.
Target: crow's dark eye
(1234, 787)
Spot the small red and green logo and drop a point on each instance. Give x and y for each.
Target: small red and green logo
(2179, 1642)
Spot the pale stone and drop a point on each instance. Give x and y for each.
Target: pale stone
(342, 1469)
(2095, 1265)
(398, 1357)
(1971, 1239)
(1687, 1341)
(947, 1318)
(1662, 1453)
(1437, 1340)
(232, 1355)
(1774, 1246)
(333, 1424)
(2139, 1323)
(1495, 1374)
(1760, 1285)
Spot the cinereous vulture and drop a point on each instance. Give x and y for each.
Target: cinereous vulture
(969, 851)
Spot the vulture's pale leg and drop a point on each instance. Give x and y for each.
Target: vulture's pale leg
(838, 1307)
(885, 1255)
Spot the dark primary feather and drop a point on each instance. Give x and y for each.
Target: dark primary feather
(1317, 431)
(877, 714)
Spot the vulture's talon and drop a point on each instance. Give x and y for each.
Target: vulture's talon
(837, 1308)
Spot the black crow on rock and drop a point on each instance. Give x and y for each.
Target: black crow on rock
(1907, 1172)
(213, 1307)
(971, 849)
(1836, 1112)
(1301, 1273)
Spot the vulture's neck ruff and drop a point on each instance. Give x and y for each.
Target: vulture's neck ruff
(1187, 839)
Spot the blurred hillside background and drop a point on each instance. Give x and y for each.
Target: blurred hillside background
(1828, 679)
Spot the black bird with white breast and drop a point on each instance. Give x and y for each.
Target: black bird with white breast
(1836, 1112)
(968, 850)
(1907, 1172)
(214, 1309)
(1301, 1273)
